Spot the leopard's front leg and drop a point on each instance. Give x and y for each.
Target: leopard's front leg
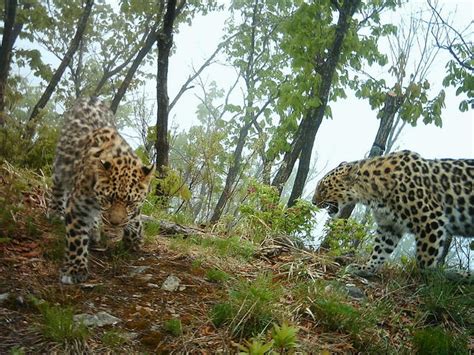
(133, 233)
(80, 215)
(386, 241)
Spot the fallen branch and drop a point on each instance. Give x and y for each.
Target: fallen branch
(168, 228)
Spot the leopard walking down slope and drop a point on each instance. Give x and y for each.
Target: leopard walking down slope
(432, 199)
(96, 178)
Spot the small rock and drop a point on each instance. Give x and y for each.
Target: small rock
(21, 301)
(354, 291)
(138, 269)
(145, 277)
(90, 285)
(144, 309)
(99, 319)
(328, 288)
(171, 283)
(4, 297)
(182, 288)
(152, 285)
(129, 335)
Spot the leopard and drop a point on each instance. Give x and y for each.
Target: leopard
(97, 181)
(432, 199)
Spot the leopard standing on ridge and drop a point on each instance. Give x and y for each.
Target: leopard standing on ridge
(432, 199)
(97, 177)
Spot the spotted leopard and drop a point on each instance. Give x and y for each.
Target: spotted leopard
(96, 178)
(432, 199)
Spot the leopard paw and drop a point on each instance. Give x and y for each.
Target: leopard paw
(70, 275)
(459, 276)
(132, 245)
(358, 270)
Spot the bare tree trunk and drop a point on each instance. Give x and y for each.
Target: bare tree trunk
(305, 156)
(147, 46)
(290, 157)
(249, 119)
(81, 27)
(165, 41)
(232, 173)
(315, 116)
(5, 51)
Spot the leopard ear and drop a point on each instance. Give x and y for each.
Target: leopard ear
(148, 170)
(106, 164)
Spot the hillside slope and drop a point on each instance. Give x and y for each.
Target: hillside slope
(224, 294)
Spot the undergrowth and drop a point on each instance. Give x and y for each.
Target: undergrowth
(231, 246)
(266, 216)
(57, 323)
(328, 304)
(251, 306)
(437, 341)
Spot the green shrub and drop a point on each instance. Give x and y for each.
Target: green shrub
(344, 235)
(267, 216)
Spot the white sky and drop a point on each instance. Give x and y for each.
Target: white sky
(349, 135)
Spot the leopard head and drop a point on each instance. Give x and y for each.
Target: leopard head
(334, 190)
(121, 186)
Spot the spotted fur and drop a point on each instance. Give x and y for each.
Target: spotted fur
(97, 178)
(432, 199)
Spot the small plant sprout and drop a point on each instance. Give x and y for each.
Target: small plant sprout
(255, 347)
(284, 336)
(173, 327)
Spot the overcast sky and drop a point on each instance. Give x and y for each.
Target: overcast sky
(349, 135)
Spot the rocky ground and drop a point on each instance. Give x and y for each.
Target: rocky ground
(132, 303)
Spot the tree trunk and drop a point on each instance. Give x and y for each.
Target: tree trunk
(232, 173)
(74, 45)
(249, 119)
(165, 41)
(326, 70)
(147, 46)
(5, 51)
(387, 116)
(290, 157)
(305, 155)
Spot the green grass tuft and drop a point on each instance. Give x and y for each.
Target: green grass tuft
(173, 327)
(251, 306)
(217, 276)
(442, 299)
(58, 324)
(436, 341)
(113, 338)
